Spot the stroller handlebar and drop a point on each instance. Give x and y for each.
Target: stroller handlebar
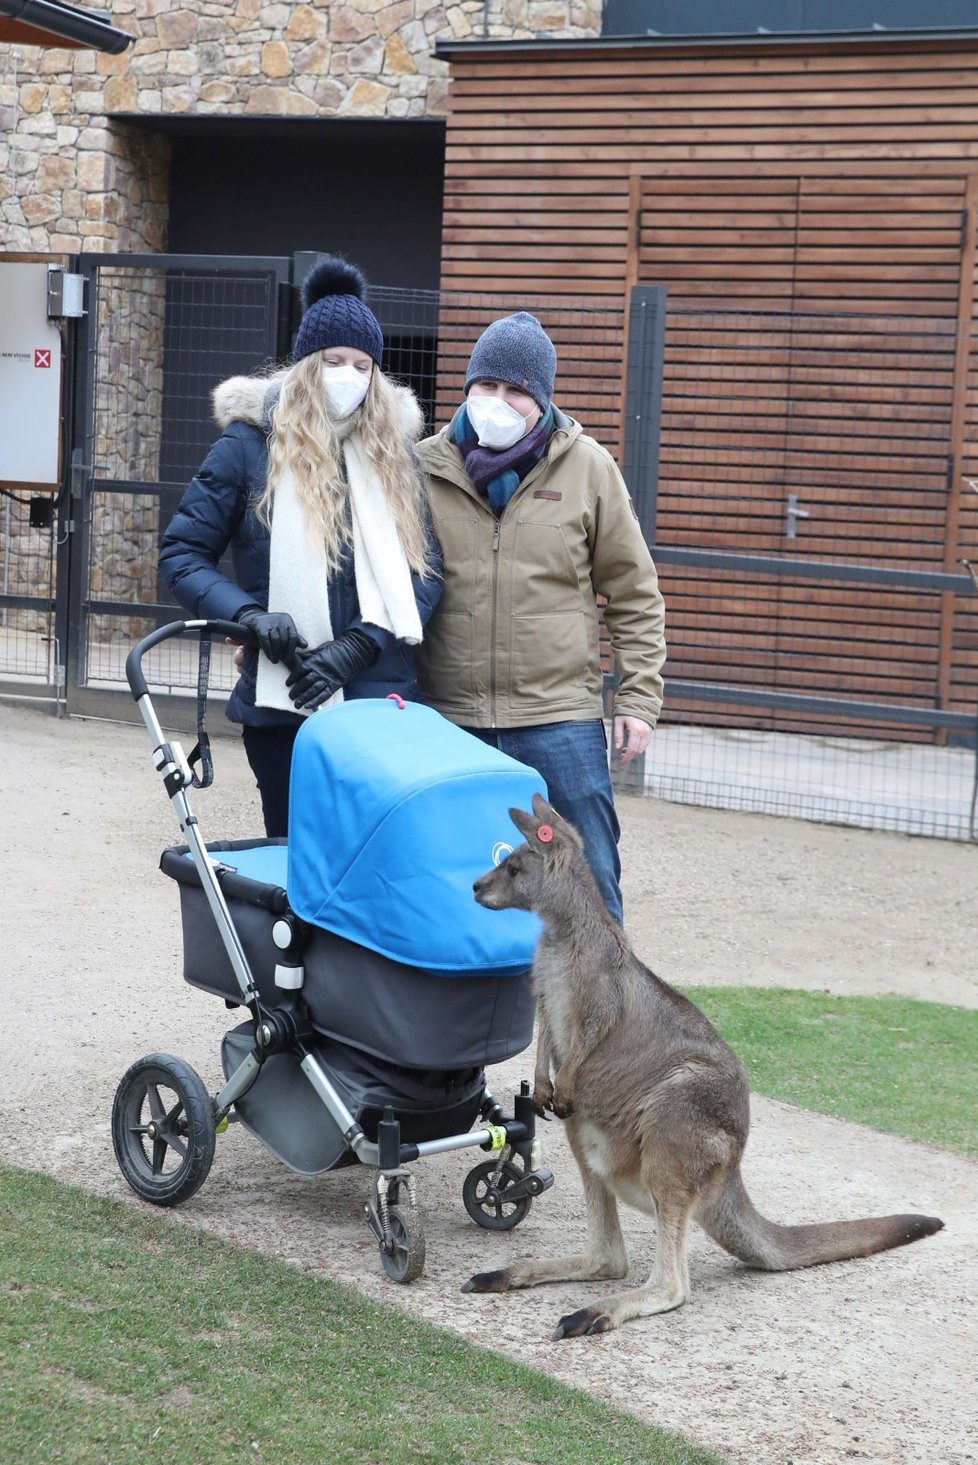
(210, 629)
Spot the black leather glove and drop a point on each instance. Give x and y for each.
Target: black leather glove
(318, 673)
(276, 632)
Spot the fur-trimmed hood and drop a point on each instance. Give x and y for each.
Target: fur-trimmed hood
(252, 399)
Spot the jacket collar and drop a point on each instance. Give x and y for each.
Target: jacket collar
(440, 453)
(248, 399)
(252, 399)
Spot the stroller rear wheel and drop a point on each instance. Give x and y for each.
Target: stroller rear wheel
(163, 1129)
(405, 1261)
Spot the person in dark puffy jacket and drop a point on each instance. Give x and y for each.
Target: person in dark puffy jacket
(316, 489)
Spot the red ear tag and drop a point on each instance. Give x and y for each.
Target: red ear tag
(393, 697)
(545, 834)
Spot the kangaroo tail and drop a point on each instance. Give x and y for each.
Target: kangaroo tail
(734, 1224)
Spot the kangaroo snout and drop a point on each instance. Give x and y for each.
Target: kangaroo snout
(483, 890)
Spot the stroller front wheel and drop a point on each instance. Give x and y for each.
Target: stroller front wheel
(405, 1260)
(163, 1129)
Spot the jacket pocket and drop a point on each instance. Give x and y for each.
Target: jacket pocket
(549, 660)
(445, 658)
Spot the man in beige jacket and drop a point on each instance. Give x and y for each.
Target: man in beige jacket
(535, 521)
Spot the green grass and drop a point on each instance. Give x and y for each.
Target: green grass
(126, 1339)
(905, 1067)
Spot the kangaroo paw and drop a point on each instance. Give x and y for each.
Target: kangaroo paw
(562, 1106)
(580, 1324)
(488, 1282)
(543, 1098)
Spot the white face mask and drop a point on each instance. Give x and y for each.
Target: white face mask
(345, 387)
(495, 423)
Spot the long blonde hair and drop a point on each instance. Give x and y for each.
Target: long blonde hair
(304, 437)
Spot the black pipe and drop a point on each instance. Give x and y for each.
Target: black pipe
(68, 22)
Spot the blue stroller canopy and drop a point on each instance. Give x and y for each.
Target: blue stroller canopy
(393, 812)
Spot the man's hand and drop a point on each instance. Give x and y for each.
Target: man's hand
(632, 737)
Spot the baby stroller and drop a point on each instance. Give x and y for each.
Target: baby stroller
(377, 989)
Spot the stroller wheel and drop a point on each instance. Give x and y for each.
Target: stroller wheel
(405, 1261)
(163, 1129)
(484, 1195)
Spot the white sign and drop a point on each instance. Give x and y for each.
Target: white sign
(30, 380)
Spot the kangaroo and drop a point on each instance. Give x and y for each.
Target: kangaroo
(656, 1105)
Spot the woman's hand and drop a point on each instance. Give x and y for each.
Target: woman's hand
(318, 673)
(632, 737)
(275, 631)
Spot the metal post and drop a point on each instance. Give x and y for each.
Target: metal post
(643, 428)
(643, 401)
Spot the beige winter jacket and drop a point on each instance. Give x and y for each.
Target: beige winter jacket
(514, 640)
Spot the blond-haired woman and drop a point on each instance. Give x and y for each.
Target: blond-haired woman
(316, 489)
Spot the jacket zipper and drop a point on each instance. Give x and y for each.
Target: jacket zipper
(492, 643)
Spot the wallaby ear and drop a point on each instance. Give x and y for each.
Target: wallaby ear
(525, 823)
(548, 817)
(543, 810)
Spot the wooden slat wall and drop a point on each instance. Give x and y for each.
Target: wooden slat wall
(783, 179)
(853, 416)
(540, 145)
(850, 414)
(804, 243)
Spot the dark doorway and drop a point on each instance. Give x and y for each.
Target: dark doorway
(275, 188)
(369, 189)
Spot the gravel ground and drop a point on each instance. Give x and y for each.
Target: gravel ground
(869, 1360)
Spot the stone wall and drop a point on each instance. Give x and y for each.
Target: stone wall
(72, 178)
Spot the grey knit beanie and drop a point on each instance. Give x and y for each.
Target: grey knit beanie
(516, 350)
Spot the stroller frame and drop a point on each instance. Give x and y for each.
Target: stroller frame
(496, 1193)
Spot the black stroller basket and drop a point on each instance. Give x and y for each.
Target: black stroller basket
(350, 1054)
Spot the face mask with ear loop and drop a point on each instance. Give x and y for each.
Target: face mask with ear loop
(345, 387)
(495, 423)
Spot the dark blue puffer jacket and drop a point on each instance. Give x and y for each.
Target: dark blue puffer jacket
(218, 513)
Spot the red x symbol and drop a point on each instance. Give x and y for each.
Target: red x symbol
(42, 357)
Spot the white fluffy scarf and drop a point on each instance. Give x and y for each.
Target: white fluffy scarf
(298, 581)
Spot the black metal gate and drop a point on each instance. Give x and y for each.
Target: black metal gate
(159, 332)
(162, 331)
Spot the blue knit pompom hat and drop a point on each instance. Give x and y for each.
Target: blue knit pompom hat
(334, 313)
(516, 350)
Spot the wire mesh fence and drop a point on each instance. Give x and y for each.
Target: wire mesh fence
(29, 653)
(828, 440)
(184, 334)
(822, 640)
(823, 652)
(429, 336)
(868, 782)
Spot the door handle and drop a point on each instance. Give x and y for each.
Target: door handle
(792, 513)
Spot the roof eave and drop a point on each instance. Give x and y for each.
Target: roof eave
(54, 23)
(448, 47)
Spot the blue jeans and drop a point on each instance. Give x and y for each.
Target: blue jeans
(573, 759)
